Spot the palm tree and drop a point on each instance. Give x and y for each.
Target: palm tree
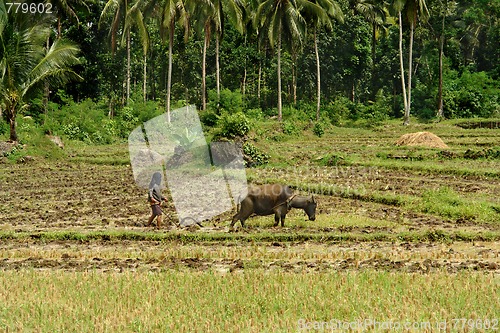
(136, 17)
(170, 12)
(412, 9)
(317, 16)
(234, 10)
(117, 10)
(376, 14)
(282, 21)
(209, 15)
(66, 7)
(25, 63)
(249, 10)
(445, 8)
(201, 12)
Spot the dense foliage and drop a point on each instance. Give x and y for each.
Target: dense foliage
(125, 47)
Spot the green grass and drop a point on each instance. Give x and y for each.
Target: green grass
(458, 168)
(449, 204)
(249, 301)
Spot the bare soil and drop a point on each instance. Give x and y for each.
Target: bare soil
(75, 196)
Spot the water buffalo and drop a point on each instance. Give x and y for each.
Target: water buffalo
(273, 199)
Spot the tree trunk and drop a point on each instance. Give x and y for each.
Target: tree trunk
(407, 110)
(279, 78)
(374, 55)
(440, 113)
(294, 79)
(217, 69)
(243, 85)
(12, 123)
(169, 74)
(144, 83)
(110, 108)
(410, 60)
(46, 89)
(203, 69)
(318, 74)
(124, 90)
(259, 79)
(58, 26)
(128, 66)
(374, 43)
(45, 100)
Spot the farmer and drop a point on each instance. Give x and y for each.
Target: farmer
(155, 198)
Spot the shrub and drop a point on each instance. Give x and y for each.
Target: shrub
(255, 114)
(4, 127)
(289, 127)
(147, 111)
(380, 109)
(209, 118)
(471, 95)
(231, 102)
(73, 131)
(339, 110)
(318, 129)
(334, 160)
(253, 156)
(307, 110)
(233, 125)
(296, 114)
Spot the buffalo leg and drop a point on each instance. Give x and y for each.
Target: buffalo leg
(276, 219)
(283, 220)
(239, 217)
(235, 218)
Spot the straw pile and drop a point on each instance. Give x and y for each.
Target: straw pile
(425, 139)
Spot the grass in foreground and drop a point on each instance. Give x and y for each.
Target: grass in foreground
(249, 301)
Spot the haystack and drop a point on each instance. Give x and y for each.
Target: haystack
(425, 139)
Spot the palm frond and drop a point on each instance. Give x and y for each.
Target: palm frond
(135, 17)
(108, 11)
(55, 65)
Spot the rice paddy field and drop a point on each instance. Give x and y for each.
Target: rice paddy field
(406, 239)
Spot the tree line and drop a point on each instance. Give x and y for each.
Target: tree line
(439, 57)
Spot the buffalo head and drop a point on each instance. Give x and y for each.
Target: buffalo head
(310, 208)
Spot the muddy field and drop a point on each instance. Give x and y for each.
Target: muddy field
(93, 191)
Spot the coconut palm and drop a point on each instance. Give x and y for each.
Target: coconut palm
(249, 9)
(171, 11)
(281, 21)
(234, 10)
(375, 13)
(208, 15)
(201, 13)
(135, 17)
(25, 63)
(68, 8)
(413, 9)
(317, 16)
(117, 11)
(61, 8)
